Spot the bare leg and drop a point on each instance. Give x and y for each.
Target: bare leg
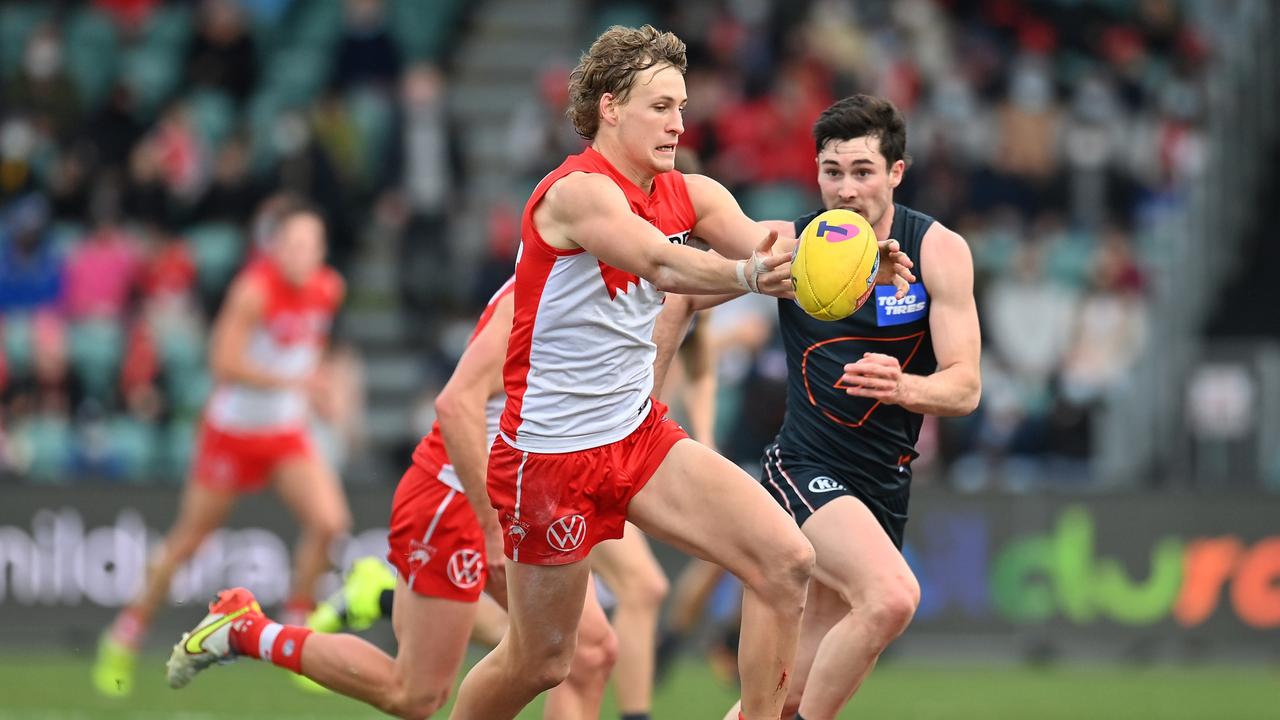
(632, 572)
(491, 622)
(203, 510)
(312, 492)
(693, 591)
(535, 655)
(857, 560)
(706, 505)
(580, 695)
(432, 635)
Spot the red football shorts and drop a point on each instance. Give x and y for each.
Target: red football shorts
(554, 507)
(436, 543)
(244, 462)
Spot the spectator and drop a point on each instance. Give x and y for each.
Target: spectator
(367, 56)
(426, 164)
(31, 274)
(42, 89)
(222, 55)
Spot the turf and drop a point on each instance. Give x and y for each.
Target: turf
(55, 687)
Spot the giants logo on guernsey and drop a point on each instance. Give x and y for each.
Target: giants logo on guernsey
(579, 366)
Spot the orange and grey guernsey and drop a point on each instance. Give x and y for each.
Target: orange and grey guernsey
(579, 368)
(430, 455)
(289, 341)
(825, 423)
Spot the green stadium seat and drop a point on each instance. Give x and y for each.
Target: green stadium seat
(17, 21)
(92, 53)
(95, 350)
(187, 389)
(179, 445)
(779, 201)
(421, 29)
(47, 439)
(17, 343)
(169, 26)
(135, 444)
(152, 72)
(214, 114)
(217, 249)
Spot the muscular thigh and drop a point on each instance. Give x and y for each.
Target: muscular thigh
(854, 554)
(310, 488)
(707, 506)
(432, 634)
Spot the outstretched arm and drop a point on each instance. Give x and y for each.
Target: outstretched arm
(954, 389)
(589, 211)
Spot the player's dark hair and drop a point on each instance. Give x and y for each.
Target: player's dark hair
(861, 115)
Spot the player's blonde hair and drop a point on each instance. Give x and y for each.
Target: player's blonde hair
(611, 66)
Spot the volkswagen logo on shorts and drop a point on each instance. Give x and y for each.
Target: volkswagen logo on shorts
(567, 533)
(465, 568)
(822, 484)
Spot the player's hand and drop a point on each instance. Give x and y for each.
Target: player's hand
(768, 271)
(895, 267)
(875, 376)
(496, 585)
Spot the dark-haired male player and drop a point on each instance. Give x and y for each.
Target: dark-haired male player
(858, 387)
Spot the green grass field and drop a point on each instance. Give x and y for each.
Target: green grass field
(55, 687)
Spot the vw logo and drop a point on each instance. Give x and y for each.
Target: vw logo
(567, 533)
(465, 568)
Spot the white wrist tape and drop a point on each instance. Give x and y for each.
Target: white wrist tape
(741, 267)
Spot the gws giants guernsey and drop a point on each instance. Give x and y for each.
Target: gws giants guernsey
(430, 453)
(288, 343)
(579, 366)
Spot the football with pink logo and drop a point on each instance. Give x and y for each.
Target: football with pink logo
(835, 265)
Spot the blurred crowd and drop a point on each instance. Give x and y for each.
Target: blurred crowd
(137, 138)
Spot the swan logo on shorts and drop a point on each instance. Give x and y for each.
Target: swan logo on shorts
(518, 530)
(824, 484)
(465, 568)
(420, 554)
(567, 533)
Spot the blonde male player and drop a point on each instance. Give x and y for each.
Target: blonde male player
(582, 446)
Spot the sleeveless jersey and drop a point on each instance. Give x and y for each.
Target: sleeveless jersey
(822, 421)
(288, 342)
(431, 453)
(579, 366)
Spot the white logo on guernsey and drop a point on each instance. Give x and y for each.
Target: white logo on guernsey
(567, 533)
(823, 484)
(465, 568)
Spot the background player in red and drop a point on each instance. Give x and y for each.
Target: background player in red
(266, 343)
(582, 446)
(446, 546)
(841, 465)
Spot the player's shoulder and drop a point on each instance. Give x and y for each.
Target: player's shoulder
(330, 287)
(582, 191)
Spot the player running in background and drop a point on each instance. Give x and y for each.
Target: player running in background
(266, 343)
(446, 548)
(841, 465)
(583, 447)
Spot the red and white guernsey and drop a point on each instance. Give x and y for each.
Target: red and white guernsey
(430, 453)
(579, 366)
(288, 343)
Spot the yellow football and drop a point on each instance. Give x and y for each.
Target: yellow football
(835, 265)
